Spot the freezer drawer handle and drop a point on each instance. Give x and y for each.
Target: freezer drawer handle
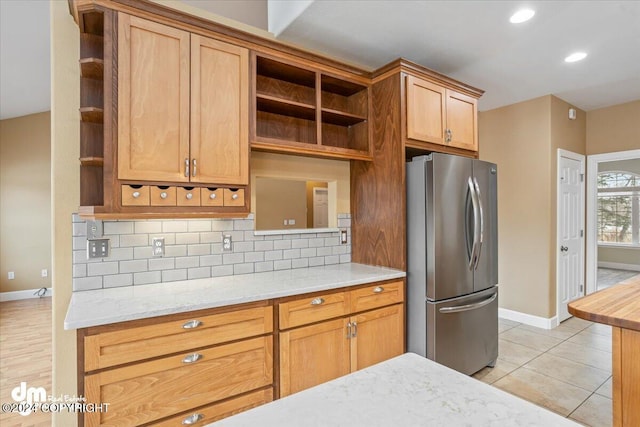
(317, 301)
(378, 289)
(468, 307)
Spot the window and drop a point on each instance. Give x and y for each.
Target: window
(618, 208)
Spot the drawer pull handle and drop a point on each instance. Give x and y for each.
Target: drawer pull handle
(189, 196)
(163, 195)
(191, 324)
(234, 197)
(194, 357)
(317, 301)
(136, 194)
(378, 289)
(212, 196)
(192, 419)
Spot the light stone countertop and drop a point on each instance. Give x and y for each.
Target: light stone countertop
(405, 391)
(105, 306)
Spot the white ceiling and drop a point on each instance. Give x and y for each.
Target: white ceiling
(471, 41)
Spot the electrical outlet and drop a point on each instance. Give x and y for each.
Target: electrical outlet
(227, 243)
(285, 222)
(97, 248)
(44, 272)
(292, 222)
(11, 275)
(157, 246)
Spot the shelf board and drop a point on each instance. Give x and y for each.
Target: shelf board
(341, 118)
(92, 161)
(281, 71)
(339, 86)
(272, 104)
(91, 114)
(307, 149)
(92, 68)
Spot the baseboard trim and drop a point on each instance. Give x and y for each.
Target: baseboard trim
(528, 319)
(619, 266)
(26, 294)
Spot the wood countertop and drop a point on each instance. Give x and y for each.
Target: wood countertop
(618, 305)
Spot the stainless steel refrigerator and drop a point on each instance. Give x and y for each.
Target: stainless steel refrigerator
(452, 261)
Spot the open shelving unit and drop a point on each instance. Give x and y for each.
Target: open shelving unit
(305, 111)
(92, 109)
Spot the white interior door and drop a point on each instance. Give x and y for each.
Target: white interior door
(320, 207)
(570, 250)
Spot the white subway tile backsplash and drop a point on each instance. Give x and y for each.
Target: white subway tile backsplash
(173, 275)
(175, 226)
(162, 264)
(147, 277)
(193, 249)
(118, 280)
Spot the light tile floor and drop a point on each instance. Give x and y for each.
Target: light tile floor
(608, 277)
(566, 369)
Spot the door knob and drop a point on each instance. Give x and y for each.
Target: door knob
(564, 248)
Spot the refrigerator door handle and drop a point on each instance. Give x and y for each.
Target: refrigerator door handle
(476, 226)
(481, 228)
(467, 307)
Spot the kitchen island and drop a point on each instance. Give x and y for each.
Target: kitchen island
(408, 390)
(619, 307)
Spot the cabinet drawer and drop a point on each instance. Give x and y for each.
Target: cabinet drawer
(148, 391)
(218, 411)
(234, 197)
(377, 295)
(188, 196)
(211, 197)
(163, 196)
(313, 309)
(133, 344)
(135, 195)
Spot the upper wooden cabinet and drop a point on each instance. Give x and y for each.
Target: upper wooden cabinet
(439, 115)
(182, 106)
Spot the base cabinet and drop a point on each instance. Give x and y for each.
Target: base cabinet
(319, 352)
(626, 377)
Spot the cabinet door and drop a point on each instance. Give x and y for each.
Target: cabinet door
(425, 111)
(219, 112)
(153, 100)
(379, 335)
(312, 355)
(461, 120)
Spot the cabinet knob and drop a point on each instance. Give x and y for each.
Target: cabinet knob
(163, 195)
(191, 324)
(212, 196)
(378, 289)
(234, 197)
(136, 194)
(317, 301)
(192, 419)
(189, 196)
(194, 357)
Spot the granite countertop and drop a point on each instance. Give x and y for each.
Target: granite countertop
(618, 305)
(408, 390)
(105, 306)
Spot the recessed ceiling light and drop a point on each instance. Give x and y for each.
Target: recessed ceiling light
(574, 57)
(521, 16)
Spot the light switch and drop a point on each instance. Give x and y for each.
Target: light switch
(97, 248)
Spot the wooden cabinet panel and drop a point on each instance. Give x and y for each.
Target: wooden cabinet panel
(152, 390)
(378, 336)
(153, 100)
(135, 195)
(626, 377)
(313, 309)
(133, 344)
(233, 197)
(163, 196)
(188, 196)
(312, 355)
(212, 197)
(461, 120)
(377, 295)
(219, 112)
(218, 411)
(425, 111)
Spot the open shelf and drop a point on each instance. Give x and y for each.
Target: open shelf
(272, 104)
(92, 114)
(92, 161)
(287, 100)
(92, 68)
